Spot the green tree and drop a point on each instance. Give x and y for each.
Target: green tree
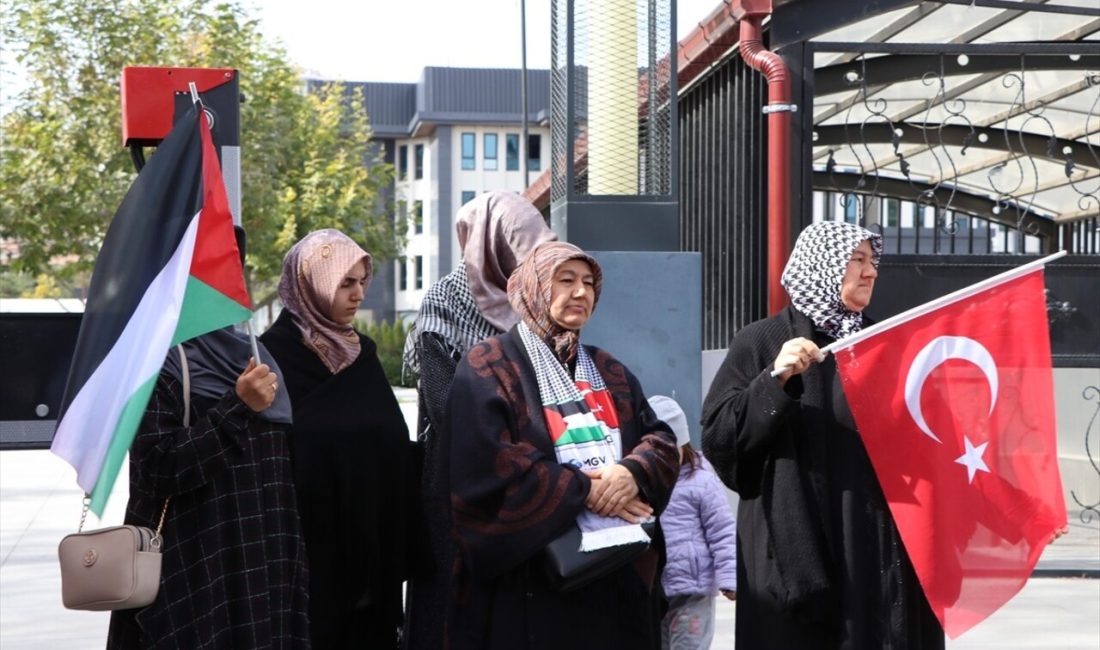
(306, 158)
(390, 339)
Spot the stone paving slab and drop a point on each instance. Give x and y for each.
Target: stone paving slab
(40, 503)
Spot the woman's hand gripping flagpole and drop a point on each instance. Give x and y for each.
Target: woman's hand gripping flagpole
(818, 359)
(933, 304)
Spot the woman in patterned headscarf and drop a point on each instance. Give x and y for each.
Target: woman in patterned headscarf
(820, 562)
(350, 447)
(544, 434)
(496, 231)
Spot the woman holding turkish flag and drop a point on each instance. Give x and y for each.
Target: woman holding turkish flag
(821, 562)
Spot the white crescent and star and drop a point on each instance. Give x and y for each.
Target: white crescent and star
(973, 459)
(938, 351)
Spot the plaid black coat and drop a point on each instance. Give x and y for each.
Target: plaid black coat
(234, 567)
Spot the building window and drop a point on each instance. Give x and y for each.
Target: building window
(418, 217)
(511, 153)
(467, 196)
(893, 213)
(929, 217)
(491, 152)
(469, 151)
(850, 203)
(403, 162)
(534, 152)
(403, 271)
(418, 161)
(419, 272)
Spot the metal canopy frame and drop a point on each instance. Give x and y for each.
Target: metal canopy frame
(988, 108)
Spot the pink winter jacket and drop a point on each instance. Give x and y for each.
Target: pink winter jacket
(700, 536)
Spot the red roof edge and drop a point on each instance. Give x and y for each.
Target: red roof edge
(538, 192)
(708, 42)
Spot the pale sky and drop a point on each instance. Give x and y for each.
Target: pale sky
(393, 40)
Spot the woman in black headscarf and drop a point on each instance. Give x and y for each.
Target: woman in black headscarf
(349, 444)
(820, 562)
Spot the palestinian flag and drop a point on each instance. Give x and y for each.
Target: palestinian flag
(169, 270)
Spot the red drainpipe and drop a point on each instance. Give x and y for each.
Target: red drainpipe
(779, 125)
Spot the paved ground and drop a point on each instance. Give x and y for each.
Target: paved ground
(40, 503)
(1048, 614)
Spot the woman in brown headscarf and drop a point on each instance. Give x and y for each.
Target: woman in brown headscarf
(496, 232)
(349, 445)
(545, 434)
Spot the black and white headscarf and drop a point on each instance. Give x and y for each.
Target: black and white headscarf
(448, 309)
(816, 269)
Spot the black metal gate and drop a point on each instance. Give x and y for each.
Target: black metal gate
(723, 202)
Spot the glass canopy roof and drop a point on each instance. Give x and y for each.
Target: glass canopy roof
(994, 102)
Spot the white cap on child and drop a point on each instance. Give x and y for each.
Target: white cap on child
(668, 410)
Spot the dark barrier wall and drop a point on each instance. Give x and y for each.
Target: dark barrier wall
(1073, 294)
(35, 350)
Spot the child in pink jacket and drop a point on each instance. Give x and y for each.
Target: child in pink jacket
(701, 541)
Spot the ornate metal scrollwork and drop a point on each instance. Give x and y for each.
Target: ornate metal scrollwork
(1089, 196)
(955, 109)
(943, 131)
(1089, 511)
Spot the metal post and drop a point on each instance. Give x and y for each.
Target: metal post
(523, 91)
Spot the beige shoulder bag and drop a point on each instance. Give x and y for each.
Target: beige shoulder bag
(117, 567)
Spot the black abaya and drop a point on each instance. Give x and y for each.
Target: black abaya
(820, 562)
(355, 476)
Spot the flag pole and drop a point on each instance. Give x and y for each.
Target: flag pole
(931, 305)
(252, 340)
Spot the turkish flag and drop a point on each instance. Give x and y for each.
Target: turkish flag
(956, 409)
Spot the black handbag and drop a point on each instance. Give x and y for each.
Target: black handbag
(568, 568)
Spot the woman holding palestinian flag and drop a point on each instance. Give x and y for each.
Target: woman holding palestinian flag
(547, 435)
(234, 565)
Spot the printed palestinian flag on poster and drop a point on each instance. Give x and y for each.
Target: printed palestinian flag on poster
(169, 271)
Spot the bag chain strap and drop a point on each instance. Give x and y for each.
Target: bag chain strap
(87, 501)
(84, 511)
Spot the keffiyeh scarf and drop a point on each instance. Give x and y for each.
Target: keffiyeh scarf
(448, 309)
(584, 427)
(815, 272)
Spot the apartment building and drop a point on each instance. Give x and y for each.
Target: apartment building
(452, 135)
